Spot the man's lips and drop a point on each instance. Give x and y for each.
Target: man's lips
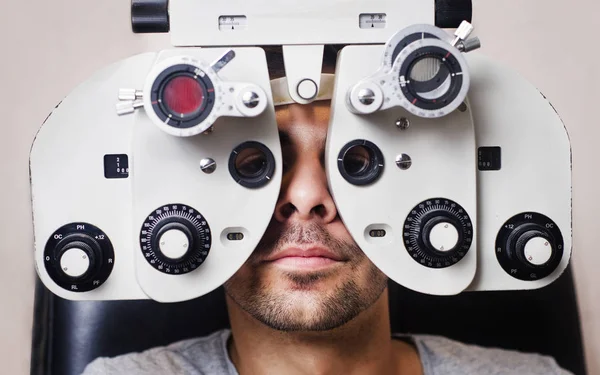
(309, 259)
(298, 252)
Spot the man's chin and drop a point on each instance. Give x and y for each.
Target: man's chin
(322, 279)
(303, 309)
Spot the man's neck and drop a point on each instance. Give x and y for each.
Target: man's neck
(362, 346)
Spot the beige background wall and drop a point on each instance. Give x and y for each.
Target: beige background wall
(48, 47)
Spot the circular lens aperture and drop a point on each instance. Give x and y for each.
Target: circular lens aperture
(425, 69)
(252, 164)
(360, 162)
(357, 160)
(183, 95)
(430, 77)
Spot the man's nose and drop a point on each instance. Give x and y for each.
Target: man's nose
(305, 194)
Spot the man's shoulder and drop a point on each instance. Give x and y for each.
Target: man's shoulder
(442, 355)
(196, 356)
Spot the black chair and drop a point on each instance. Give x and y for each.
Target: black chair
(68, 335)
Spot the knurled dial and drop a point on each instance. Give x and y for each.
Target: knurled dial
(175, 239)
(438, 233)
(79, 257)
(529, 246)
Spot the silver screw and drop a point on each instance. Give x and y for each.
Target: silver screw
(366, 96)
(469, 45)
(403, 123)
(250, 99)
(208, 165)
(403, 162)
(462, 107)
(209, 130)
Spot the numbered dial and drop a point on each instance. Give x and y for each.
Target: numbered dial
(432, 75)
(79, 257)
(183, 96)
(529, 246)
(438, 233)
(175, 239)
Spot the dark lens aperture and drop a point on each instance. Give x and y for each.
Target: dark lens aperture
(251, 162)
(357, 161)
(360, 162)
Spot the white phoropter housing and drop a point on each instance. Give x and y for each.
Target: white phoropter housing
(125, 209)
(472, 199)
(434, 157)
(405, 184)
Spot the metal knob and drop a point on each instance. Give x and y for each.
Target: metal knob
(469, 45)
(366, 96)
(150, 16)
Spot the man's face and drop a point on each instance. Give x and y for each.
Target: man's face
(307, 273)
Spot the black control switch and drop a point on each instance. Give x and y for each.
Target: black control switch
(449, 14)
(150, 16)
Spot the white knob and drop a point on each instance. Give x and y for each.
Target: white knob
(538, 251)
(443, 236)
(174, 244)
(128, 106)
(307, 89)
(74, 262)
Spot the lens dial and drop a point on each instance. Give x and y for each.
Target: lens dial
(183, 96)
(175, 239)
(438, 233)
(431, 77)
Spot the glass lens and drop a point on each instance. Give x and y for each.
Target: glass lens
(183, 95)
(357, 161)
(430, 77)
(250, 162)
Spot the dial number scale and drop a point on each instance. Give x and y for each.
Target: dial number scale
(438, 233)
(175, 239)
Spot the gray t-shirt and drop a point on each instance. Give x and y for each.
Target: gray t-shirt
(439, 356)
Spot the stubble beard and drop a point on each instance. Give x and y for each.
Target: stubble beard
(301, 308)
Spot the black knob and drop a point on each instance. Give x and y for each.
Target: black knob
(534, 246)
(79, 257)
(150, 16)
(438, 233)
(450, 13)
(529, 246)
(175, 239)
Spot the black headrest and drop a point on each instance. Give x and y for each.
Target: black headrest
(68, 335)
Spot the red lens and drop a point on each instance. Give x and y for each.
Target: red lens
(183, 95)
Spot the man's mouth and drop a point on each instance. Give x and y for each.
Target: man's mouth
(310, 258)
